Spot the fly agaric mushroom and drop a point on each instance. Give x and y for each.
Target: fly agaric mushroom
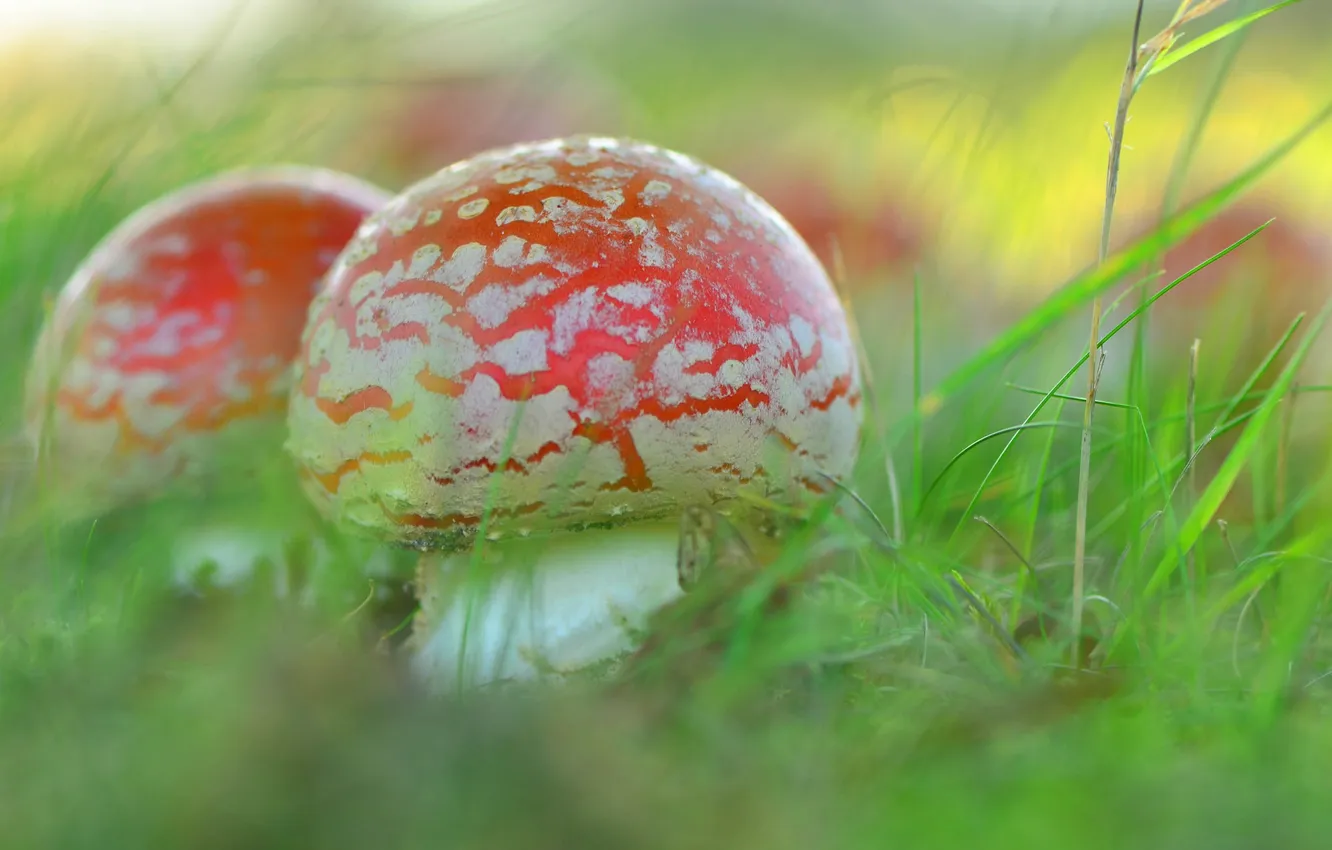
(875, 232)
(1286, 269)
(539, 358)
(460, 115)
(179, 329)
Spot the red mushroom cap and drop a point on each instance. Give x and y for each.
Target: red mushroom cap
(183, 323)
(1285, 269)
(1290, 259)
(458, 116)
(572, 332)
(873, 230)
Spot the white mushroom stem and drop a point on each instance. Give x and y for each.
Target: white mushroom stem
(226, 556)
(232, 552)
(524, 609)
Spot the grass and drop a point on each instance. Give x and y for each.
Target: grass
(884, 683)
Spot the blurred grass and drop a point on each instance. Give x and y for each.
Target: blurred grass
(859, 695)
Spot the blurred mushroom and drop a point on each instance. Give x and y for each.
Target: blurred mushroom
(1285, 269)
(1241, 304)
(534, 361)
(456, 116)
(174, 338)
(875, 233)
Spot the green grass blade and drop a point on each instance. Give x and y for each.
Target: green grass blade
(1038, 486)
(1227, 415)
(1072, 370)
(1226, 422)
(1012, 429)
(917, 434)
(1088, 284)
(1256, 578)
(1209, 502)
(1211, 37)
(1187, 150)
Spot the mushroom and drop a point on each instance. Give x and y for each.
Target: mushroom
(876, 231)
(175, 337)
(531, 364)
(1287, 267)
(458, 115)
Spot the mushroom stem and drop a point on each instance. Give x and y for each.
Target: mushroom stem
(225, 557)
(540, 606)
(234, 557)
